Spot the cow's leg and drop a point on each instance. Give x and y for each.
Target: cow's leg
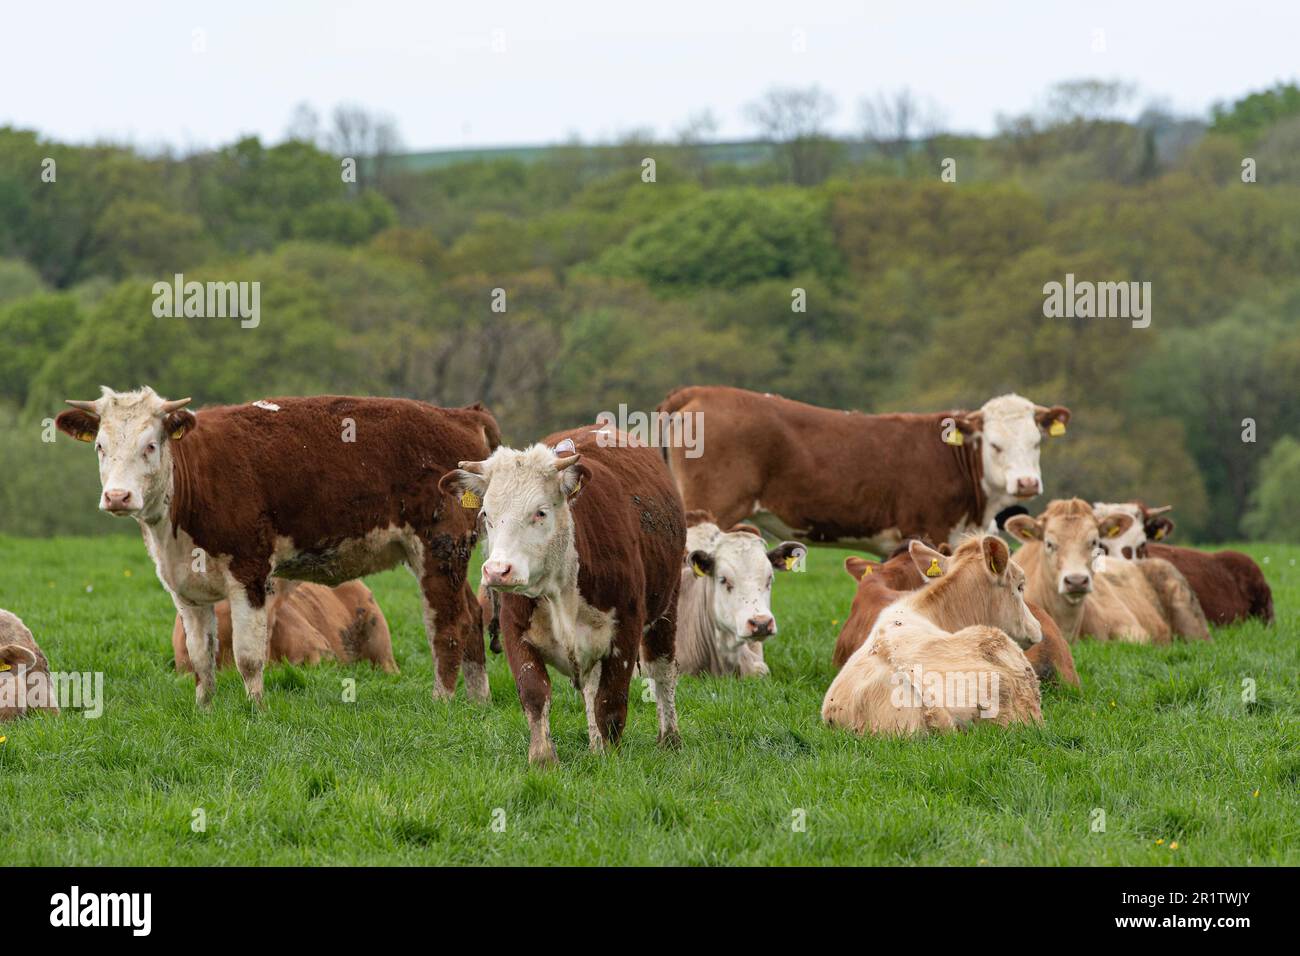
(248, 625)
(751, 660)
(591, 693)
(475, 660)
(445, 616)
(201, 645)
(660, 664)
(534, 686)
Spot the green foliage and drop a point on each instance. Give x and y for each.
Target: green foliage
(1274, 514)
(1252, 114)
(32, 329)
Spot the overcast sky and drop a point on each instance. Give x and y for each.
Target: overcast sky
(200, 74)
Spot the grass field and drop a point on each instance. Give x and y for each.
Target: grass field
(1159, 739)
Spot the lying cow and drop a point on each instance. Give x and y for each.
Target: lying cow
(879, 478)
(307, 623)
(584, 544)
(925, 666)
(25, 683)
(323, 489)
(724, 609)
(1140, 602)
(1229, 585)
(882, 583)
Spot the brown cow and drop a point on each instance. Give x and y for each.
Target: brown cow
(882, 583)
(307, 623)
(924, 668)
(25, 683)
(1139, 602)
(585, 541)
(1230, 585)
(323, 489)
(862, 481)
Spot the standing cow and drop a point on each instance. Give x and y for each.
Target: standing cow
(861, 481)
(322, 489)
(584, 543)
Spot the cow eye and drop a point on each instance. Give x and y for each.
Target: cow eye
(996, 448)
(151, 448)
(539, 514)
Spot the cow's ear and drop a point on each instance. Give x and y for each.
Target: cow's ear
(745, 529)
(468, 486)
(701, 562)
(699, 516)
(787, 555)
(1052, 420)
(1158, 529)
(859, 568)
(965, 425)
(179, 423)
(1025, 527)
(996, 555)
(927, 560)
(15, 655)
(1112, 526)
(81, 425)
(573, 479)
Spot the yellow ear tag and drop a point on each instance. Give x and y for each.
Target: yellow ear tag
(86, 436)
(1160, 533)
(789, 562)
(955, 437)
(698, 573)
(868, 569)
(934, 571)
(5, 667)
(1113, 531)
(470, 500)
(1057, 429)
(178, 433)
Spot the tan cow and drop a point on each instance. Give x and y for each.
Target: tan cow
(1085, 592)
(307, 623)
(25, 683)
(925, 667)
(882, 583)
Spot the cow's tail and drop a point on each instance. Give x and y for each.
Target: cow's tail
(487, 421)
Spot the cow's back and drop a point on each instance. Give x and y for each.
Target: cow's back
(1230, 585)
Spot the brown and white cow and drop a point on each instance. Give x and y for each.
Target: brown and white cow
(1086, 592)
(584, 547)
(724, 606)
(925, 667)
(25, 683)
(1230, 585)
(308, 623)
(323, 489)
(882, 583)
(865, 481)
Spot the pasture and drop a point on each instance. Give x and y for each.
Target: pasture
(1160, 740)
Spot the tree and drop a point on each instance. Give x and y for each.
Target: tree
(795, 121)
(1274, 513)
(893, 121)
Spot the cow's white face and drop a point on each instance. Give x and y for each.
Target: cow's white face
(130, 432)
(1124, 545)
(525, 512)
(739, 571)
(1010, 430)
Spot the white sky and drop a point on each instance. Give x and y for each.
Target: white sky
(81, 71)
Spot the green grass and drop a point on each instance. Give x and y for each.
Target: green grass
(1159, 739)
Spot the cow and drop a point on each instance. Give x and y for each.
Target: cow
(926, 667)
(724, 609)
(25, 683)
(1229, 585)
(882, 583)
(584, 543)
(1139, 602)
(323, 489)
(307, 623)
(862, 481)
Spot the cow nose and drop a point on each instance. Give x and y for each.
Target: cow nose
(1028, 486)
(1078, 582)
(115, 499)
(761, 625)
(497, 572)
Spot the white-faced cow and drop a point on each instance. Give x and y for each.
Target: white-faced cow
(947, 654)
(724, 612)
(864, 481)
(25, 683)
(1088, 593)
(584, 549)
(322, 489)
(1230, 585)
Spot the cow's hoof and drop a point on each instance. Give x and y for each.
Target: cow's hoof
(476, 684)
(671, 740)
(543, 757)
(442, 693)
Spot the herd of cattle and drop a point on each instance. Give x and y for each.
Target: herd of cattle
(609, 558)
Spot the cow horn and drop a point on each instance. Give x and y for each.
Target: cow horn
(1152, 512)
(174, 405)
(563, 463)
(473, 467)
(84, 406)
